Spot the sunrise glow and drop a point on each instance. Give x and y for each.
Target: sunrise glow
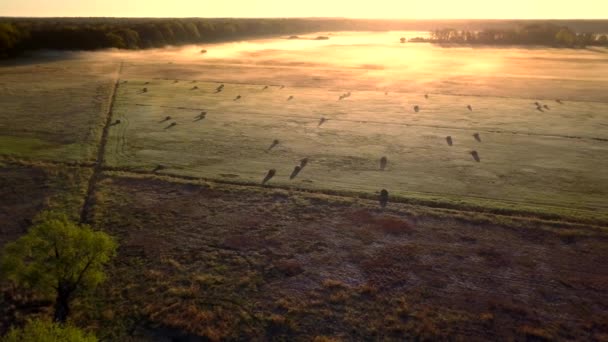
(440, 9)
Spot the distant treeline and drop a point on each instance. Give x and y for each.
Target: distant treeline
(22, 34)
(533, 34)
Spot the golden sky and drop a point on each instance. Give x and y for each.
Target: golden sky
(427, 9)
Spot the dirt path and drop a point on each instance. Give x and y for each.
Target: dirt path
(90, 197)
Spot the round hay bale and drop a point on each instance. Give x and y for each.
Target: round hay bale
(383, 163)
(475, 156)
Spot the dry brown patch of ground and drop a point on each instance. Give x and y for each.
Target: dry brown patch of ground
(227, 262)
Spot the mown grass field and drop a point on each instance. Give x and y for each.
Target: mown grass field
(530, 160)
(54, 109)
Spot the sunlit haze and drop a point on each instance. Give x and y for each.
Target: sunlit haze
(440, 9)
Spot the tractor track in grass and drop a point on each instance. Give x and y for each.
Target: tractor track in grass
(98, 166)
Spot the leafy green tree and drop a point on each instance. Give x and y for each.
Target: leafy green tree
(45, 331)
(58, 257)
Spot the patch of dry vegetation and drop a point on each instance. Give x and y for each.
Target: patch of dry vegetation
(226, 262)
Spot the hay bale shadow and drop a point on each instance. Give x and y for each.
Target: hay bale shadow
(275, 142)
(383, 163)
(269, 175)
(200, 117)
(383, 198)
(295, 172)
(475, 156)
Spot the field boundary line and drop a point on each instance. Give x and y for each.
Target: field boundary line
(97, 169)
(421, 202)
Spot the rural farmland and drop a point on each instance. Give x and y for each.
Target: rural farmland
(494, 160)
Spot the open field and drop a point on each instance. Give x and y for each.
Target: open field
(54, 110)
(529, 160)
(228, 262)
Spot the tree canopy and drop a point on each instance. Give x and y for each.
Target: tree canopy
(58, 256)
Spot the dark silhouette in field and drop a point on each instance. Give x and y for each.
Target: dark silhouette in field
(171, 125)
(303, 162)
(275, 142)
(345, 95)
(426, 96)
(265, 87)
(281, 87)
(219, 88)
(144, 90)
(194, 81)
(167, 118)
(158, 168)
(115, 123)
(383, 162)
(559, 101)
(201, 116)
(146, 83)
(194, 88)
(290, 98)
(203, 51)
(546, 107)
(269, 175)
(416, 109)
(475, 156)
(176, 81)
(449, 140)
(322, 121)
(123, 82)
(537, 104)
(470, 108)
(383, 198)
(540, 109)
(238, 97)
(402, 40)
(477, 137)
(295, 172)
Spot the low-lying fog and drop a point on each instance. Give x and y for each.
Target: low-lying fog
(377, 60)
